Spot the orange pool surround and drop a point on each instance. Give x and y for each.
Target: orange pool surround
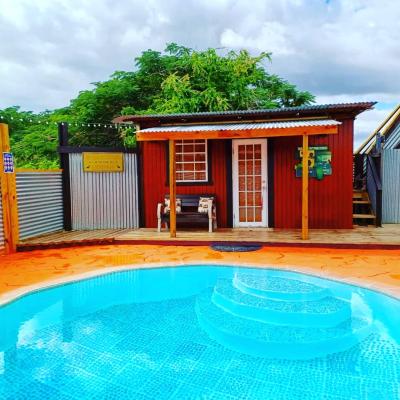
(23, 272)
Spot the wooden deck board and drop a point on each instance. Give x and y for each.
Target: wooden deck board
(387, 236)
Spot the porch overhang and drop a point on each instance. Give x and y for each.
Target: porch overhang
(241, 130)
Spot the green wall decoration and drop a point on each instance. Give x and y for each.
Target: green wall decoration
(319, 162)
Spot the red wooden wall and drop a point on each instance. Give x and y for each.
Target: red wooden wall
(154, 170)
(330, 199)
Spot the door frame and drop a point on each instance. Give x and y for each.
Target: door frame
(264, 183)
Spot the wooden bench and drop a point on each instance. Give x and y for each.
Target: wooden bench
(189, 215)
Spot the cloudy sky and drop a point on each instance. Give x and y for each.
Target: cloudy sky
(340, 50)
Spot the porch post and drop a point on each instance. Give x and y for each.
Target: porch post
(304, 212)
(8, 195)
(172, 188)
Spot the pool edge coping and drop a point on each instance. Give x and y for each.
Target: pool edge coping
(13, 295)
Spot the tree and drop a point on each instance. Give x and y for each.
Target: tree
(178, 80)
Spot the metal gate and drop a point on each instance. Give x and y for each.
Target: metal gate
(104, 200)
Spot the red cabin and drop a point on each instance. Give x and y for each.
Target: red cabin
(252, 161)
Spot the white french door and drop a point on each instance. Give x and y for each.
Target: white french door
(249, 183)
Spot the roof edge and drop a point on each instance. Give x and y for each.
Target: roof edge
(237, 115)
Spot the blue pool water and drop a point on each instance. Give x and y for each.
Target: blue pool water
(201, 332)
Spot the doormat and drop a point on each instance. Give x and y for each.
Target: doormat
(235, 248)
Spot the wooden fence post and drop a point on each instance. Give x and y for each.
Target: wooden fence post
(305, 178)
(66, 184)
(172, 189)
(8, 195)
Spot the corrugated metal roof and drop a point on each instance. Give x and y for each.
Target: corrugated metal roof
(356, 107)
(243, 126)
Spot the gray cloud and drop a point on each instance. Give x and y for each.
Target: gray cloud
(338, 49)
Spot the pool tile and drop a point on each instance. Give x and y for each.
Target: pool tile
(116, 392)
(78, 383)
(172, 358)
(234, 384)
(132, 377)
(38, 391)
(205, 376)
(160, 387)
(192, 392)
(219, 357)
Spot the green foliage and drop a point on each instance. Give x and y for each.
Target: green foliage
(178, 80)
(33, 137)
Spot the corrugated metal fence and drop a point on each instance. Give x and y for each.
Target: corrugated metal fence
(104, 200)
(1, 224)
(391, 186)
(40, 203)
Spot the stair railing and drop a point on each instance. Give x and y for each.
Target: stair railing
(359, 171)
(374, 187)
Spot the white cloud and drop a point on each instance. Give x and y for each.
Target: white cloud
(341, 50)
(272, 37)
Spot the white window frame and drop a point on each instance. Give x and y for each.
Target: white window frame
(188, 142)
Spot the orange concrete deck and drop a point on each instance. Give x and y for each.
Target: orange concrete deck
(23, 272)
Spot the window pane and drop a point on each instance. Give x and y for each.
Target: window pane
(200, 157)
(258, 199)
(200, 166)
(242, 170)
(242, 182)
(242, 154)
(242, 214)
(188, 166)
(249, 167)
(191, 160)
(188, 176)
(250, 183)
(188, 148)
(250, 214)
(257, 167)
(188, 157)
(257, 214)
(201, 176)
(249, 151)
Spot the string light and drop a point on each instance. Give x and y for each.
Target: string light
(77, 124)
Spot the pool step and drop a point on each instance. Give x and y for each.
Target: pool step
(326, 312)
(275, 287)
(263, 339)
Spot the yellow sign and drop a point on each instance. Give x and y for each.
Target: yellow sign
(103, 162)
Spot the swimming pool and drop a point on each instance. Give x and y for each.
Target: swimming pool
(201, 332)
